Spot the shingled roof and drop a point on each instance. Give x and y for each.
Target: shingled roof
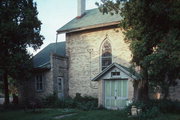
(42, 59)
(91, 19)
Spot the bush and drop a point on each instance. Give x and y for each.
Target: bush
(79, 102)
(50, 101)
(154, 108)
(150, 113)
(85, 103)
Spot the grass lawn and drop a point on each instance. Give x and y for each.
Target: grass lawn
(48, 114)
(113, 115)
(45, 114)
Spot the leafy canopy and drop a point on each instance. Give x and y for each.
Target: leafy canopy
(19, 29)
(153, 29)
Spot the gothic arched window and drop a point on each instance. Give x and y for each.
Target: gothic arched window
(106, 58)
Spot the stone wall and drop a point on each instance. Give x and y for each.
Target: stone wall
(27, 91)
(58, 69)
(84, 51)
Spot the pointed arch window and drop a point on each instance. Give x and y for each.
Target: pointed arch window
(106, 58)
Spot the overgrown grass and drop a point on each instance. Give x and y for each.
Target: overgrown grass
(48, 114)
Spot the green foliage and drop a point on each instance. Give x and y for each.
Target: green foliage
(85, 103)
(154, 108)
(48, 114)
(44, 114)
(19, 29)
(153, 30)
(79, 102)
(150, 113)
(50, 101)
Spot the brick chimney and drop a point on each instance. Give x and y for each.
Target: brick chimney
(81, 8)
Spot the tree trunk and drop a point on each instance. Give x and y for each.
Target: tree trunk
(143, 87)
(166, 86)
(143, 91)
(6, 90)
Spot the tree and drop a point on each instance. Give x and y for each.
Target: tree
(153, 29)
(19, 29)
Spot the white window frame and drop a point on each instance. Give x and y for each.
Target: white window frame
(38, 82)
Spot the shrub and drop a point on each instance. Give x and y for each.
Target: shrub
(153, 108)
(150, 113)
(79, 102)
(85, 103)
(51, 101)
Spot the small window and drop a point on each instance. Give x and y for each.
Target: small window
(115, 74)
(39, 82)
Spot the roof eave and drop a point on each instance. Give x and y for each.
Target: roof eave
(88, 27)
(109, 67)
(103, 72)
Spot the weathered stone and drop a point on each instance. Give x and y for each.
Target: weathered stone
(58, 69)
(84, 52)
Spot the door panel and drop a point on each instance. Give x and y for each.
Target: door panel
(124, 88)
(113, 83)
(116, 93)
(108, 87)
(108, 94)
(119, 86)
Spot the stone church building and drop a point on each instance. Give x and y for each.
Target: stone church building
(93, 61)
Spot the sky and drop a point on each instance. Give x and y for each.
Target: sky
(54, 14)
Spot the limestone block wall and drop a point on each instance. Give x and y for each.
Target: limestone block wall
(130, 89)
(84, 53)
(47, 85)
(29, 91)
(59, 69)
(101, 96)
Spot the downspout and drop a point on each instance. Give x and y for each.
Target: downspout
(90, 62)
(56, 43)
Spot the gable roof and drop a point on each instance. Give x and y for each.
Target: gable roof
(126, 70)
(42, 59)
(92, 19)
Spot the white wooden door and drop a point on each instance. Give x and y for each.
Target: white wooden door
(116, 93)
